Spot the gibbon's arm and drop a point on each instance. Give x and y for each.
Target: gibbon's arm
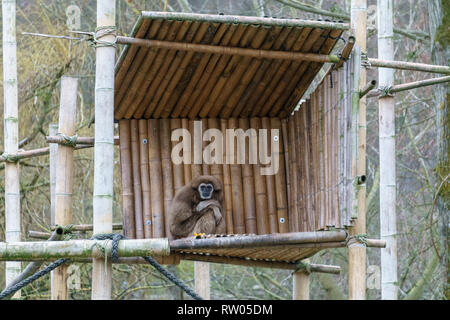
(182, 214)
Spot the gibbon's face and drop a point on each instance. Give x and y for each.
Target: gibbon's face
(205, 190)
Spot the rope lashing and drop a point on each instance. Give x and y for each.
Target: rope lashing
(115, 237)
(10, 157)
(68, 141)
(303, 267)
(385, 91)
(365, 61)
(357, 238)
(101, 32)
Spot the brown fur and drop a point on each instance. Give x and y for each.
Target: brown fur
(184, 218)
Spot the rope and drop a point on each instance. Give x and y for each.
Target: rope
(10, 157)
(115, 237)
(303, 266)
(101, 32)
(12, 289)
(385, 91)
(172, 278)
(69, 141)
(365, 61)
(360, 238)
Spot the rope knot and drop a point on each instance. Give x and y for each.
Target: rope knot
(115, 237)
(356, 239)
(68, 141)
(101, 32)
(10, 157)
(304, 267)
(385, 91)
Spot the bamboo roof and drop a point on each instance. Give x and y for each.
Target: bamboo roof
(154, 82)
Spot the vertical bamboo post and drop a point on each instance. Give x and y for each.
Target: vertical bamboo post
(386, 122)
(53, 130)
(11, 134)
(300, 285)
(357, 250)
(64, 175)
(104, 144)
(202, 279)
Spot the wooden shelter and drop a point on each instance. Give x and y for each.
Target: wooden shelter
(226, 72)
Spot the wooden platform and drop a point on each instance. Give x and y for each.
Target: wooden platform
(281, 251)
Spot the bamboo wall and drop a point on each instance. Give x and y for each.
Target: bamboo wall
(319, 143)
(312, 190)
(253, 203)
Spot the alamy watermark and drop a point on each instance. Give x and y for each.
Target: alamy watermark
(229, 149)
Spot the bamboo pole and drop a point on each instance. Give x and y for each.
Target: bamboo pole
(367, 88)
(214, 49)
(137, 186)
(104, 145)
(145, 178)
(75, 249)
(403, 65)
(248, 182)
(301, 282)
(263, 224)
(386, 112)
(280, 178)
(244, 20)
(178, 169)
(270, 182)
(89, 227)
(97, 249)
(38, 234)
(167, 172)
(128, 215)
(53, 138)
(53, 149)
(227, 188)
(346, 51)
(202, 279)
(409, 86)
(297, 238)
(64, 175)
(33, 153)
(156, 181)
(357, 250)
(11, 134)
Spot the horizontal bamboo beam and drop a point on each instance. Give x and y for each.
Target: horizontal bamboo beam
(403, 65)
(206, 48)
(320, 268)
(213, 18)
(33, 153)
(89, 227)
(44, 250)
(409, 86)
(275, 239)
(38, 234)
(79, 140)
